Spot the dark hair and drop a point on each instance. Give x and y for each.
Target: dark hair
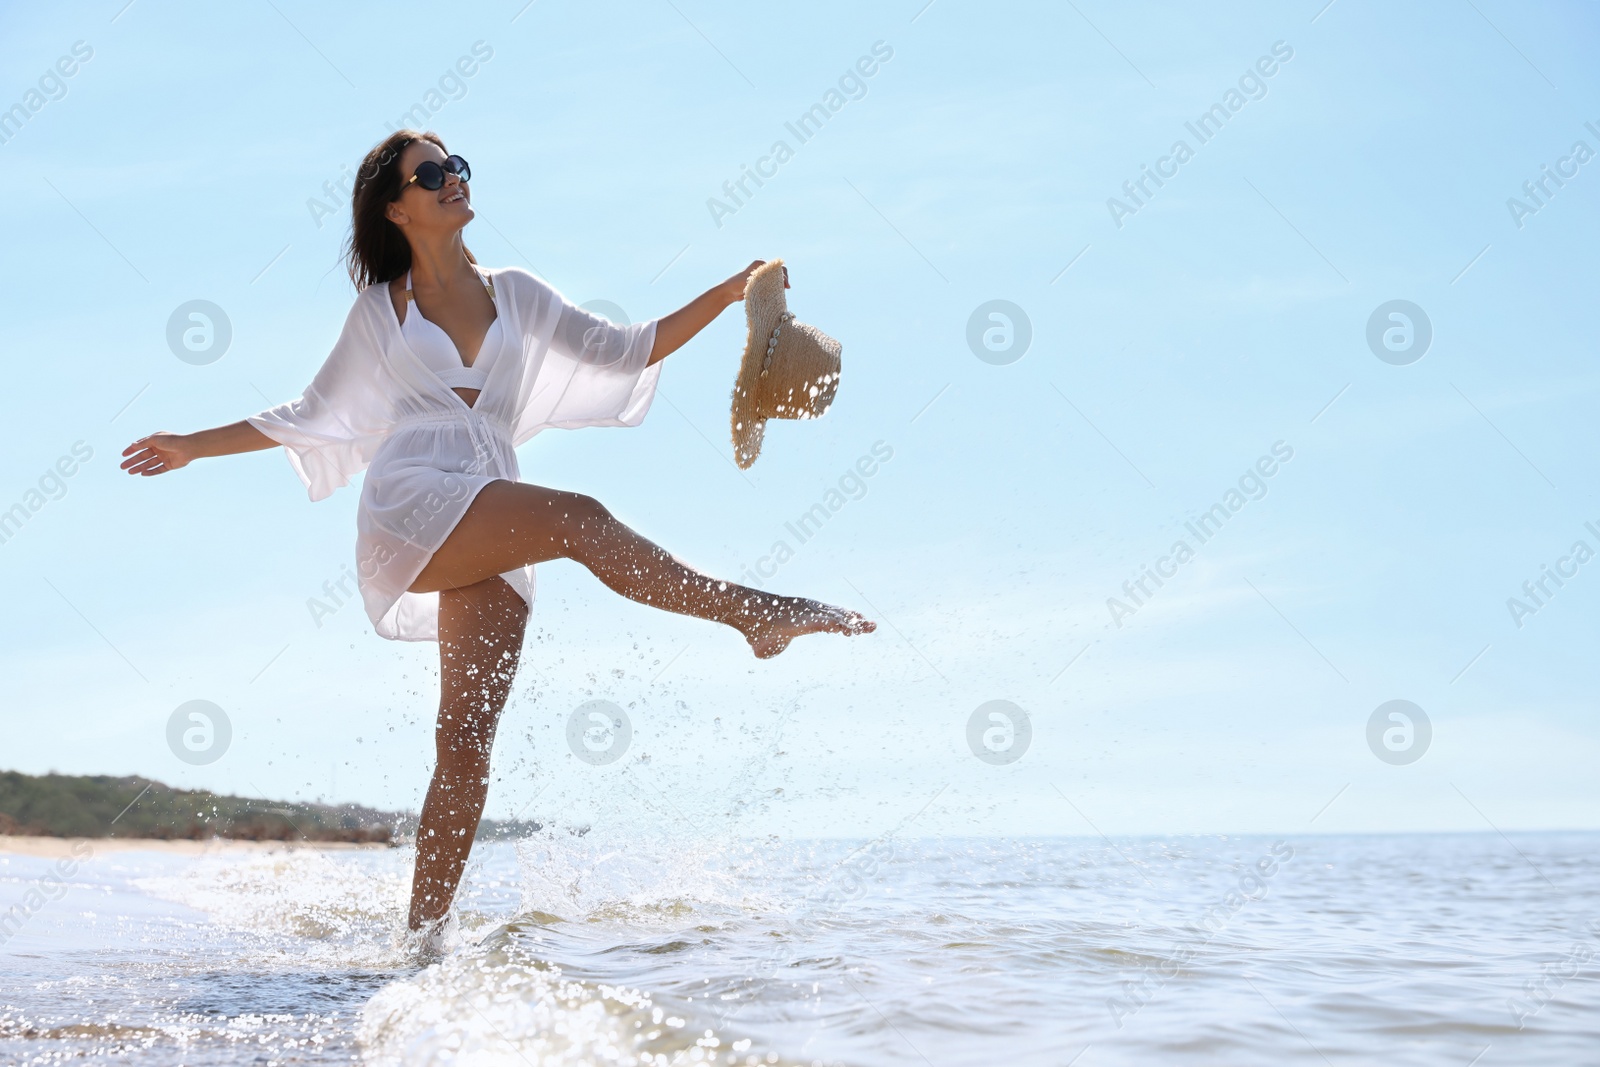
(377, 251)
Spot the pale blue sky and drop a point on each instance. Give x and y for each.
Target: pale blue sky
(1229, 313)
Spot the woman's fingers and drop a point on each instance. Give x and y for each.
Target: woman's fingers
(147, 460)
(743, 277)
(155, 453)
(758, 264)
(142, 446)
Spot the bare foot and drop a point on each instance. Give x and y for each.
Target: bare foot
(428, 943)
(769, 629)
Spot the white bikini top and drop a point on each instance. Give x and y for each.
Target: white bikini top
(434, 347)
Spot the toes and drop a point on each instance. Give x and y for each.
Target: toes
(853, 622)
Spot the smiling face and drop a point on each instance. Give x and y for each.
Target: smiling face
(441, 210)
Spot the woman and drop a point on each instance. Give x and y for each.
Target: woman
(442, 369)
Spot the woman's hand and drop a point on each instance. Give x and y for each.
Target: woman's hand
(157, 454)
(733, 288)
(673, 331)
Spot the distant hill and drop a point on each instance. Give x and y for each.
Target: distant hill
(61, 805)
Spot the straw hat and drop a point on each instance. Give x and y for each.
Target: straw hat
(789, 371)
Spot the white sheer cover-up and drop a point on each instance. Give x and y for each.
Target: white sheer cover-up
(375, 406)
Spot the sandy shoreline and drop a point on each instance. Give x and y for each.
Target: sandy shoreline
(57, 847)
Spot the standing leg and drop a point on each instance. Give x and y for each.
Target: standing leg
(481, 628)
(513, 524)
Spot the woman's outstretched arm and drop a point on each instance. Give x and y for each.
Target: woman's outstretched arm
(674, 331)
(162, 452)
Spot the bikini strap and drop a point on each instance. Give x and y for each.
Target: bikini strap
(488, 283)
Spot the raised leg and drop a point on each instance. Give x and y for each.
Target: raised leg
(481, 628)
(513, 524)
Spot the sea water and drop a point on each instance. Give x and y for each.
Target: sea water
(1427, 949)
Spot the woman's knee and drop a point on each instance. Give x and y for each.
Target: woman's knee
(581, 526)
(463, 756)
(582, 513)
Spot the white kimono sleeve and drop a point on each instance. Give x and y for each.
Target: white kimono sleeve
(332, 431)
(593, 372)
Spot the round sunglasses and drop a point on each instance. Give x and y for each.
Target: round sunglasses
(430, 175)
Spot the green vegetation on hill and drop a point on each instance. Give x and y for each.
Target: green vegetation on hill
(60, 805)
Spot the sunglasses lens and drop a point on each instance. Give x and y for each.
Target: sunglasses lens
(458, 166)
(430, 176)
